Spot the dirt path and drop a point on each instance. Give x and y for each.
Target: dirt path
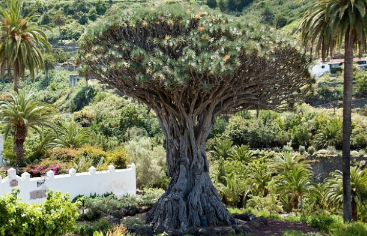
(277, 227)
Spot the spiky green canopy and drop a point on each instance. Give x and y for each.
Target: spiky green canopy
(192, 56)
(330, 20)
(22, 42)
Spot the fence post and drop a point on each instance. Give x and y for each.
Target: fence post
(72, 172)
(111, 168)
(12, 173)
(26, 176)
(92, 170)
(50, 174)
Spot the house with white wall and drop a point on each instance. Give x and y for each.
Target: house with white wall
(333, 65)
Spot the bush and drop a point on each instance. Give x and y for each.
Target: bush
(311, 150)
(85, 118)
(62, 154)
(117, 158)
(302, 149)
(82, 98)
(36, 170)
(321, 222)
(60, 55)
(292, 233)
(150, 162)
(353, 229)
(86, 229)
(56, 216)
(98, 206)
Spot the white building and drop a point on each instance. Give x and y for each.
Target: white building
(336, 65)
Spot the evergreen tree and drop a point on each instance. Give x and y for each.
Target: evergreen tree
(189, 65)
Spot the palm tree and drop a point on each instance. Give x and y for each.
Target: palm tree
(286, 161)
(223, 149)
(242, 153)
(294, 184)
(50, 62)
(259, 174)
(59, 21)
(329, 24)
(70, 135)
(22, 43)
(334, 189)
(20, 113)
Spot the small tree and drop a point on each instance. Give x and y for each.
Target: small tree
(21, 113)
(22, 43)
(50, 62)
(189, 65)
(59, 21)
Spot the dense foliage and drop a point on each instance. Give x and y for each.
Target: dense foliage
(56, 216)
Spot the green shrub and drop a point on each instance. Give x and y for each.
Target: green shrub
(82, 98)
(62, 154)
(352, 229)
(150, 162)
(99, 206)
(292, 233)
(117, 158)
(56, 216)
(311, 150)
(133, 223)
(60, 55)
(88, 229)
(321, 222)
(302, 149)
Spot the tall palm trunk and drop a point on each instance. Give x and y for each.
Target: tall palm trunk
(60, 34)
(19, 138)
(347, 128)
(354, 211)
(16, 76)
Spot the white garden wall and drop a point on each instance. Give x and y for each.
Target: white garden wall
(1, 150)
(120, 182)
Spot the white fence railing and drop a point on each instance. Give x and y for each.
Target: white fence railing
(33, 190)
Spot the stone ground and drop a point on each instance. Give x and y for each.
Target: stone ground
(247, 224)
(277, 227)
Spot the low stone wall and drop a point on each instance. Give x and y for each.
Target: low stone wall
(33, 190)
(322, 166)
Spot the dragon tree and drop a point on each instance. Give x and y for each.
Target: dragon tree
(189, 65)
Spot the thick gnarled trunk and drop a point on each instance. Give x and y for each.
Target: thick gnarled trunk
(190, 200)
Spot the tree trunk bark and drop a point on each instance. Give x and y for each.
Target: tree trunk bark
(19, 138)
(15, 77)
(190, 200)
(354, 211)
(347, 128)
(60, 34)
